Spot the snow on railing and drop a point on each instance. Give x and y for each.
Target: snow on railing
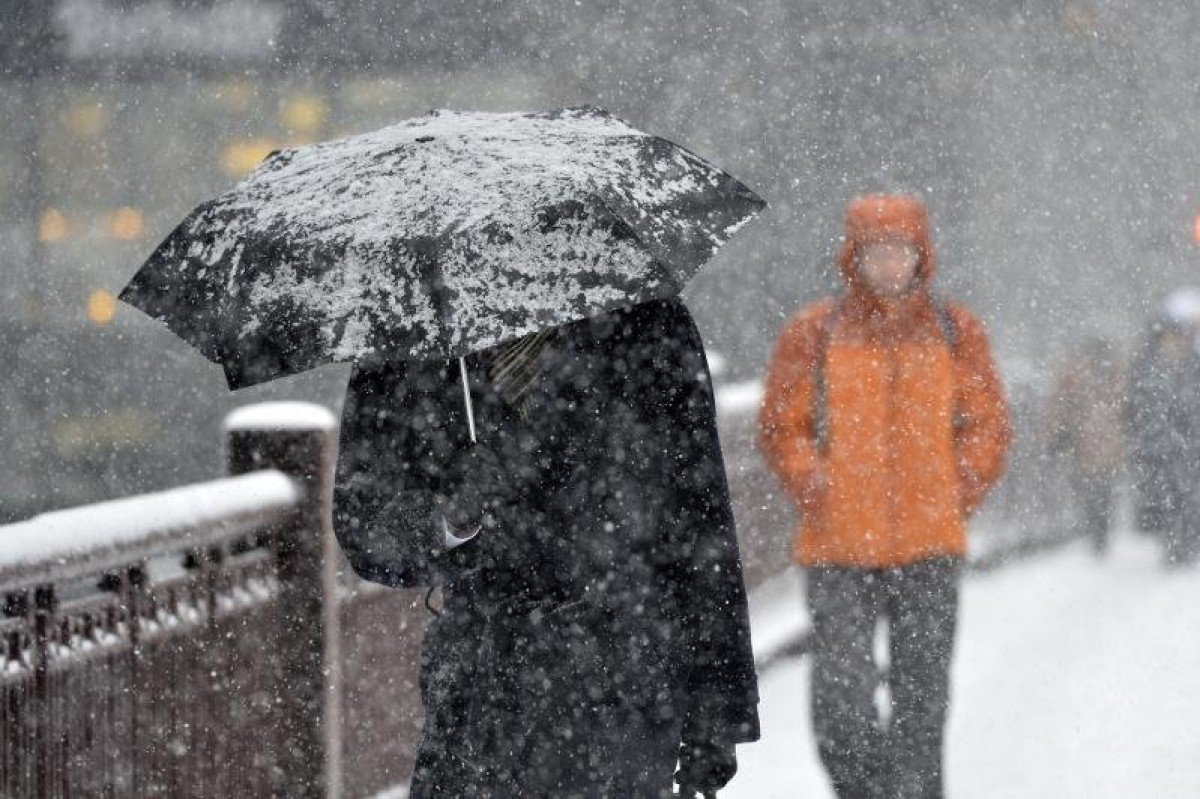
(285, 415)
(739, 398)
(92, 539)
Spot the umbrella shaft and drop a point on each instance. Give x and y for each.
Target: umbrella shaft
(466, 387)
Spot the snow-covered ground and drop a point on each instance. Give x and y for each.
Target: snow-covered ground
(1073, 678)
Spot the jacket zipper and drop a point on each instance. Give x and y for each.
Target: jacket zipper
(893, 356)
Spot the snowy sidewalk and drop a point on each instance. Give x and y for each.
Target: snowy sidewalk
(1072, 678)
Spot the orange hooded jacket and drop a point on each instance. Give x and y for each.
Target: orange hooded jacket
(915, 434)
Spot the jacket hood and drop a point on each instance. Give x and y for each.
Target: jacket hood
(886, 217)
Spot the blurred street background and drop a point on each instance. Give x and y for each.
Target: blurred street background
(1055, 142)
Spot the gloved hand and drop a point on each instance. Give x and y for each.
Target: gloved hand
(477, 482)
(705, 768)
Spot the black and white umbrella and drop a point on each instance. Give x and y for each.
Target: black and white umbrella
(434, 238)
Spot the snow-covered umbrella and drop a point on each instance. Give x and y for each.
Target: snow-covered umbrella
(434, 238)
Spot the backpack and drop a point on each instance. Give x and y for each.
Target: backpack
(820, 409)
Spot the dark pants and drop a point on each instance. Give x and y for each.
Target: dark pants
(1181, 536)
(866, 756)
(1180, 515)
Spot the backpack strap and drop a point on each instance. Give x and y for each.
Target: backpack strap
(946, 324)
(950, 335)
(820, 406)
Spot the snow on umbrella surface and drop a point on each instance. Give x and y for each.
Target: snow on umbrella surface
(434, 238)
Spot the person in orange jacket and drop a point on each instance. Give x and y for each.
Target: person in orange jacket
(884, 419)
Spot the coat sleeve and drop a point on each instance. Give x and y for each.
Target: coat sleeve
(398, 432)
(984, 428)
(786, 436)
(722, 689)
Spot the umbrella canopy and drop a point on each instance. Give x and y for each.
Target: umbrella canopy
(434, 238)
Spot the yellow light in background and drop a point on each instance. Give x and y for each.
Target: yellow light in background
(240, 158)
(304, 113)
(1196, 231)
(87, 119)
(126, 224)
(53, 226)
(78, 432)
(101, 307)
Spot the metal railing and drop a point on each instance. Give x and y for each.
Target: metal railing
(211, 641)
(183, 643)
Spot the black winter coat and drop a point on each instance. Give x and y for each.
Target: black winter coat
(601, 619)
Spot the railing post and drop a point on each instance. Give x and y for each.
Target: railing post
(45, 607)
(300, 439)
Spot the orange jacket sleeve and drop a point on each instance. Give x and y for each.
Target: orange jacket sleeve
(984, 428)
(786, 434)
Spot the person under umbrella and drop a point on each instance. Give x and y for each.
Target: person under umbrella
(529, 424)
(594, 626)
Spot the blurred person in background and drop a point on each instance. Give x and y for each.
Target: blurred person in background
(1163, 418)
(885, 421)
(1087, 433)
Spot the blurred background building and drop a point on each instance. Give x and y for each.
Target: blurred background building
(1056, 142)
